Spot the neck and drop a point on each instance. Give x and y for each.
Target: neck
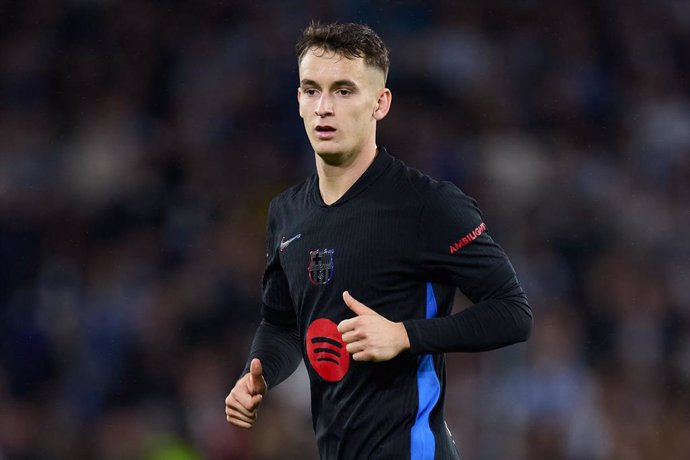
(336, 180)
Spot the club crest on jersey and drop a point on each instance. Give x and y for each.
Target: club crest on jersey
(321, 266)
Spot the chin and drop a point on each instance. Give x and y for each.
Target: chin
(332, 158)
(330, 152)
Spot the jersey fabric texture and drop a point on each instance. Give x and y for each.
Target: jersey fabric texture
(401, 243)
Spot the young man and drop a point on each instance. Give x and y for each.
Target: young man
(363, 262)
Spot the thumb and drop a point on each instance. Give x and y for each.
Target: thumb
(257, 384)
(356, 306)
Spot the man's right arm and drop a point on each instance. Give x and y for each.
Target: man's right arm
(274, 356)
(276, 349)
(277, 344)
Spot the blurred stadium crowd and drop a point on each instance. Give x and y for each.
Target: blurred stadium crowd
(140, 143)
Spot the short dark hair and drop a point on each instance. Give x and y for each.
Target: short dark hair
(349, 40)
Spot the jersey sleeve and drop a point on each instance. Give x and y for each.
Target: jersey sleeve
(455, 248)
(276, 341)
(277, 303)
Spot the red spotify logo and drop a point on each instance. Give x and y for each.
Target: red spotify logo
(326, 350)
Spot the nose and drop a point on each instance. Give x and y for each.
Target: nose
(325, 105)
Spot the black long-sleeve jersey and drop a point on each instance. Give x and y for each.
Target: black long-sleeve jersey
(401, 243)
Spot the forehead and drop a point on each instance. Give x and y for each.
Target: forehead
(323, 66)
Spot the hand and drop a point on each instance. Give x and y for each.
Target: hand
(242, 404)
(369, 336)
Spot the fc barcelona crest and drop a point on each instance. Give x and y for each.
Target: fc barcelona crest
(321, 266)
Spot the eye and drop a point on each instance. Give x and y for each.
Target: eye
(309, 91)
(343, 92)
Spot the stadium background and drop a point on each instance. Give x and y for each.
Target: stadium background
(140, 142)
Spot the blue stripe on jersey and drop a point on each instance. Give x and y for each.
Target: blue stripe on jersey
(429, 388)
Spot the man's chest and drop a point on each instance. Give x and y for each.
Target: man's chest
(368, 251)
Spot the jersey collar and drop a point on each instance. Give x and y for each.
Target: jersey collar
(381, 162)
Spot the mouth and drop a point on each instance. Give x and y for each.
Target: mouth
(325, 131)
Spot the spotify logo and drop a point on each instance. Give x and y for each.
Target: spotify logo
(326, 350)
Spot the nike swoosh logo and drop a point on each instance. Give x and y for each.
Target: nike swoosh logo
(285, 243)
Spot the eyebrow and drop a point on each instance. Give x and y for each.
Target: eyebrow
(338, 83)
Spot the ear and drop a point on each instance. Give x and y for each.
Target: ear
(299, 97)
(383, 104)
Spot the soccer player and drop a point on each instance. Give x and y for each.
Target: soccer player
(364, 259)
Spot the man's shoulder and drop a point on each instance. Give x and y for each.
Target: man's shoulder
(424, 185)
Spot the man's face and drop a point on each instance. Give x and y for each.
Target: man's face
(339, 100)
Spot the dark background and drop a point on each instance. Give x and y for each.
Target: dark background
(140, 143)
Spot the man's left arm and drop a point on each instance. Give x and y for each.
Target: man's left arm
(454, 248)
(503, 318)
